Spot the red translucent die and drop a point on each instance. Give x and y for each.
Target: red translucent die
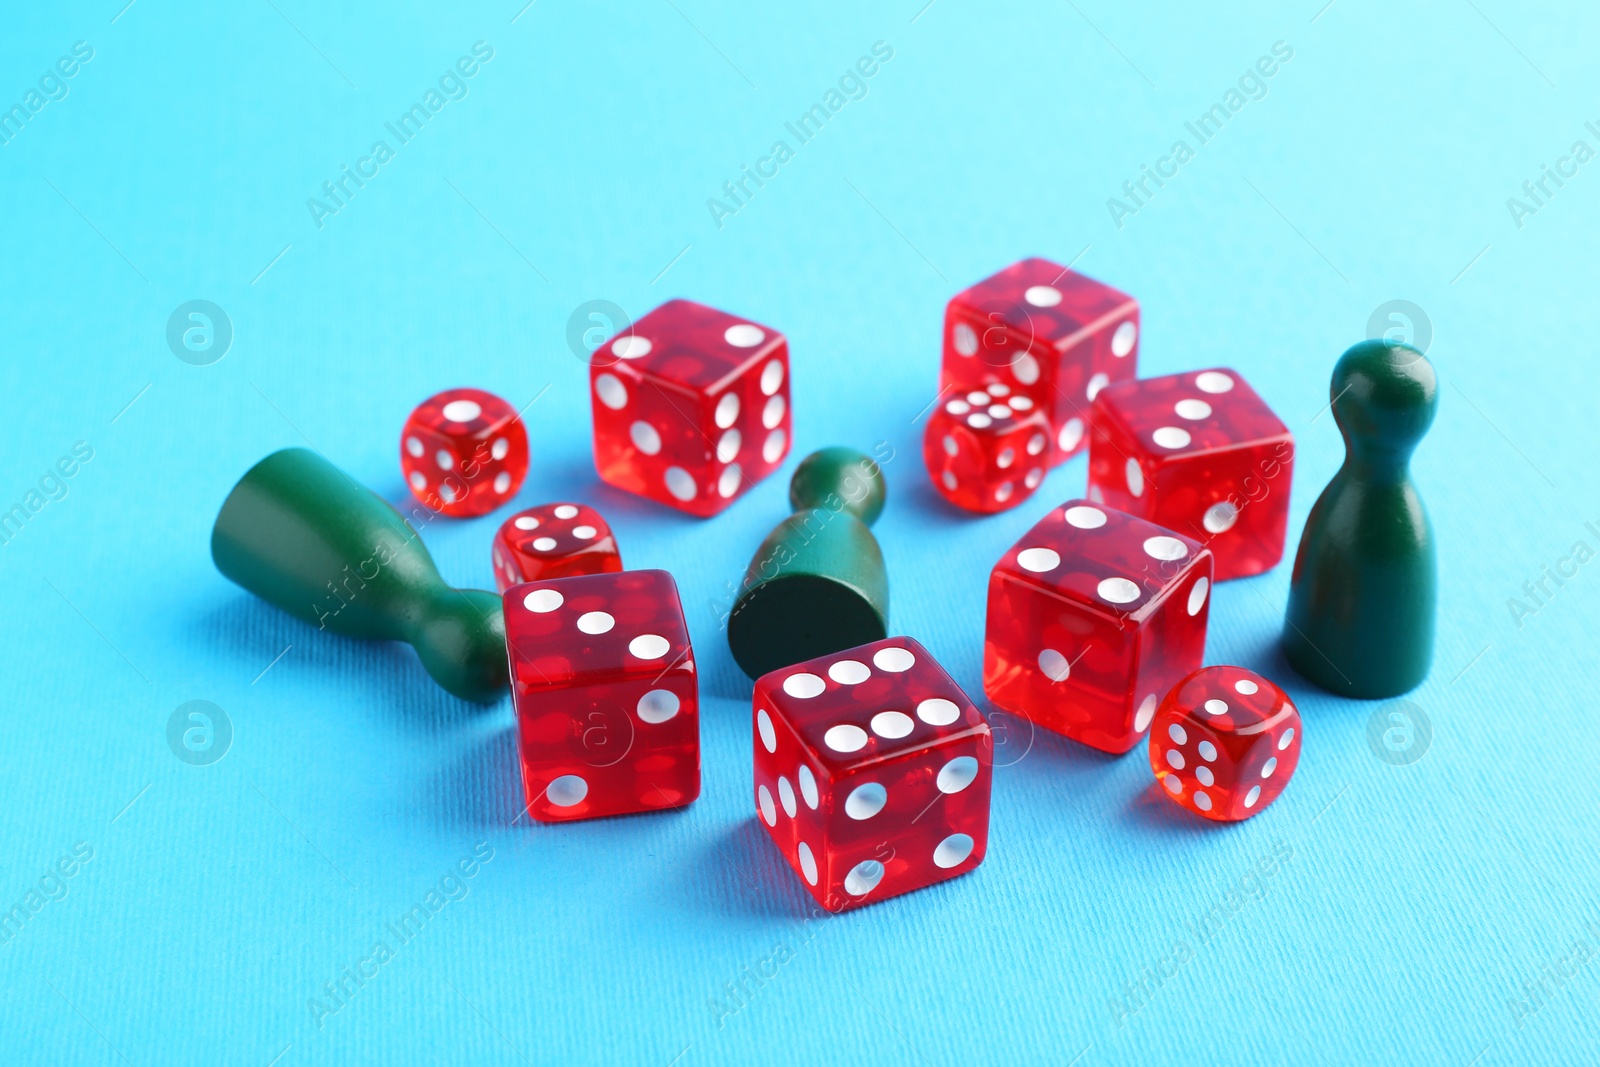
(988, 450)
(553, 541)
(1055, 335)
(1225, 742)
(872, 772)
(1093, 615)
(607, 701)
(691, 406)
(464, 452)
(1202, 454)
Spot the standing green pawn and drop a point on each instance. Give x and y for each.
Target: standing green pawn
(301, 534)
(1362, 595)
(817, 583)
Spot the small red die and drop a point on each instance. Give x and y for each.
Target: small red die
(691, 406)
(1225, 742)
(1201, 453)
(1047, 331)
(1093, 614)
(872, 772)
(603, 679)
(553, 541)
(464, 452)
(988, 450)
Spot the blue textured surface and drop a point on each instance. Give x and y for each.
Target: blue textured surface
(1421, 907)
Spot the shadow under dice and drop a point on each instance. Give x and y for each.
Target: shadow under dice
(691, 406)
(1225, 743)
(553, 541)
(1093, 615)
(1055, 335)
(987, 451)
(872, 772)
(464, 452)
(1201, 453)
(604, 683)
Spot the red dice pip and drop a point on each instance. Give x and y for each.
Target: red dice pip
(872, 772)
(464, 452)
(1093, 615)
(604, 682)
(1200, 453)
(1225, 742)
(553, 541)
(691, 406)
(988, 450)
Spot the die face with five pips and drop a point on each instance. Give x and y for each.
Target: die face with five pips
(872, 772)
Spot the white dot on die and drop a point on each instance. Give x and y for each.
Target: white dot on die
(502, 481)
(727, 410)
(542, 601)
(658, 705)
(999, 411)
(979, 421)
(1204, 776)
(448, 493)
(998, 388)
(1245, 686)
(1251, 797)
(951, 448)
(1055, 666)
(728, 481)
(863, 878)
(978, 396)
(772, 412)
(1096, 383)
(1042, 296)
(803, 686)
(1213, 381)
(649, 646)
(1084, 517)
(1033, 478)
(1268, 767)
(1192, 409)
(543, 544)
(631, 346)
(1220, 517)
(769, 810)
(1038, 560)
(1020, 403)
(1146, 712)
(1202, 801)
(1135, 476)
(1165, 548)
(957, 774)
(526, 522)
(1036, 444)
(680, 483)
(892, 724)
(1171, 437)
(445, 460)
(808, 787)
(414, 446)
(1026, 368)
(964, 339)
(808, 862)
(849, 672)
(1178, 734)
(1122, 340)
(1006, 458)
(1003, 491)
(1197, 596)
(952, 851)
(895, 660)
(937, 711)
(584, 533)
(865, 801)
(1216, 707)
(612, 393)
(1173, 785)
(786, 796)
(773, 448)
(1071, 433)
(1175, 759)
(419, 481)
(1117, 591)
(596, 622)
(949, 479)
(744, 335)
(462, 410)
(645, 438)
(566, 790)
(958, 407)
(769, 736)
(1208, 751)
(500, 447)
(1284, 741)
(771, 377)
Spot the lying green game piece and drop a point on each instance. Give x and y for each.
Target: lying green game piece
(817, 583)
(1361, 598)
(301, 534)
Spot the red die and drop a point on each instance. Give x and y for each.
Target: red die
(872, 772)
(1201, 453)
(464, 452)
(1225, 743)
(987, 451)
(553, 541)
(1058, 336)
(1093, 615)
(691, 406)
(607, 702)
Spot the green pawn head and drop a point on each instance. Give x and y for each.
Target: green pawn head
(817, 583)
(1385, 395)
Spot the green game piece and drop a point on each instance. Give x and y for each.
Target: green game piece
(301, 534)
(817, 584)
(1361, 598)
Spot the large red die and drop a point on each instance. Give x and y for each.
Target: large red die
(1225, 742)
(988, 450)
(464, 452)
(1201, 453)
(872, 772)
(553, 541)
(1093, 615)
(691, 406)
(1038, 327)
(607, 701)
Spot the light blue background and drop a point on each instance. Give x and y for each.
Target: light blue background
(1419, 899)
